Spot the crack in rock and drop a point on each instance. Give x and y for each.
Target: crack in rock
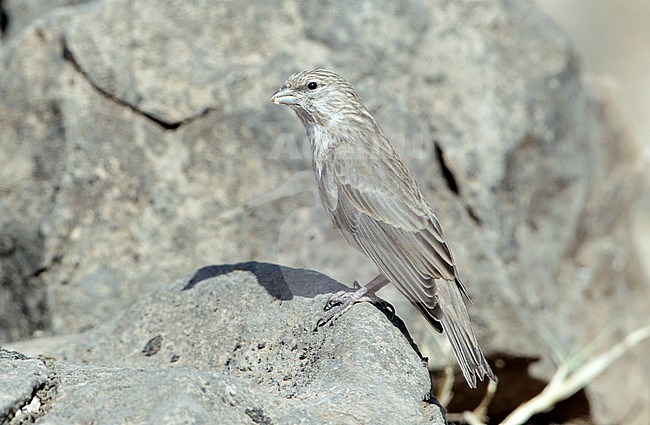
(446, 172)
(452, 184)
(40, 401)
(167, 125)
(4, 20)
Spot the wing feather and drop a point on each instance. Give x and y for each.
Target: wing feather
(394, 265)
(393, 201)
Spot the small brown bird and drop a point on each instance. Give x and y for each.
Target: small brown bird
(372, 198)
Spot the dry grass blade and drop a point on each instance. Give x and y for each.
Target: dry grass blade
(569, 379)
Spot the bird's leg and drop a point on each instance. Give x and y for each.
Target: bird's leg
(340, 302)
(359, 293)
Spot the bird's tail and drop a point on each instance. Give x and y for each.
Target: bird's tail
(452, 313)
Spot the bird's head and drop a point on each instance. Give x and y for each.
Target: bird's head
(319, 97)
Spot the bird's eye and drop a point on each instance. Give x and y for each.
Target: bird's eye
(312, 85)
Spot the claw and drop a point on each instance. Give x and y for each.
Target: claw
(335, 299)
(388, 306)
(333, 315)
(340, 302)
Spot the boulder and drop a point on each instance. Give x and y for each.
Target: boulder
(233, 344)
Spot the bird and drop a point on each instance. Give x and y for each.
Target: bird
(375, 202)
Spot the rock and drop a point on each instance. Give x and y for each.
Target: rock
(18, 14)
(20, 379)
(237, 344)
(138, 142)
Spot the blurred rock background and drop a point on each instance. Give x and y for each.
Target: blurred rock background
(137, 144)
(612, 38)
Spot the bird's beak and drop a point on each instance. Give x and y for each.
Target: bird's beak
(284, 96)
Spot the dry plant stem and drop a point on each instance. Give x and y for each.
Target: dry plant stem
(466, 417)
(565, 383)
(477, 416)
(471, 418)
(481, 409)
(445, 393)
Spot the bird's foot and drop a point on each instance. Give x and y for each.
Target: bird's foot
(340, 302)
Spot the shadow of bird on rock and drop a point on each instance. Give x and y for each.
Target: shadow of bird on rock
(283, 283)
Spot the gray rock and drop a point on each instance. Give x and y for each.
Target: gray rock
(18, 14)
(20, 380)
(236, 344)
(137, 141)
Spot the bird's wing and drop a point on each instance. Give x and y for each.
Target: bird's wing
(381, 206)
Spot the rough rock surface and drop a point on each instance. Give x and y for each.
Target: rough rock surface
(235, 345)
(20, 377)
(137, 140)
